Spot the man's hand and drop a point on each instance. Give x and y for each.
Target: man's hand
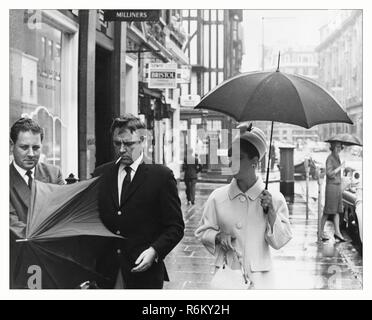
(145, 260)
(224, 240)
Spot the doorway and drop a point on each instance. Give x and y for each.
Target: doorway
(103, 106)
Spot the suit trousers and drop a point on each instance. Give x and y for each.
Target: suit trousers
(190, 190)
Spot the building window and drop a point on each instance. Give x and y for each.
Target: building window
(220, 47)
(43, 48)
(31, 88)
(213, 15)
(206, 82)
(220, 15)
(193, 13)
(206, 15)
(36, 63)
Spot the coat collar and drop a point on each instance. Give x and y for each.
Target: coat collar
(253, 193)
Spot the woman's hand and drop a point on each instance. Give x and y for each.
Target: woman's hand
(225, 240)
(266, 201)
(267, 205)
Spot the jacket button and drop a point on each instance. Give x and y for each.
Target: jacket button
(118, 232)
(239, 225)
(118, 251)
(119, 213)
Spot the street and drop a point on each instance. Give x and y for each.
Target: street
(302, 264)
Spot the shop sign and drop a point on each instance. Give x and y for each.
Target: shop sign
(162, 75)
(190, 100)
(132, 15)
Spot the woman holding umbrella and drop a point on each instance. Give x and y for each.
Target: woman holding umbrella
(241, 220)
(333, 194)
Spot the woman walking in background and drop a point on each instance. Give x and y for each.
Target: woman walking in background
(333, 193)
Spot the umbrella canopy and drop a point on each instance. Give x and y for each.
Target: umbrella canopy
(274, 96)
(63, 236)
(346, 139)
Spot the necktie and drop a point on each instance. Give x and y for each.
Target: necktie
(29, 175)
(125, 184)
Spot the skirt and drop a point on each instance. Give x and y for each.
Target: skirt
(333, 199)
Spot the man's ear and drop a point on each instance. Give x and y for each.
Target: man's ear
(11, 145)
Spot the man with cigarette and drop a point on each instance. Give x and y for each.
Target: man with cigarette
(139, 201)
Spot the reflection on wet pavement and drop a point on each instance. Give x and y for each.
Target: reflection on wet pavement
(301, 264)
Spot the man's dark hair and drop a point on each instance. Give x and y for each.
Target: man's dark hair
(248, 148)
(24, 125)
(127, 121)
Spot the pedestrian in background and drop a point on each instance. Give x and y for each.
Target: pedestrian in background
(333, 193)
(191, 168)
(235, 228)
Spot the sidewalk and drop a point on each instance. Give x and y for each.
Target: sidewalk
(302, 263)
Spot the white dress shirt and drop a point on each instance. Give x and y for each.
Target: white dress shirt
(122, 173)
(23, 172)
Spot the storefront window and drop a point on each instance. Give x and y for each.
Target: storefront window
(35, 77)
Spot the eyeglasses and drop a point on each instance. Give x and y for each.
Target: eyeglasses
(126, 144)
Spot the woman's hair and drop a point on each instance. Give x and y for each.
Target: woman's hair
(248, 148)
(333, 145)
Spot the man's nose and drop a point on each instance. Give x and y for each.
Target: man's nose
(123, 148)
(31, 152)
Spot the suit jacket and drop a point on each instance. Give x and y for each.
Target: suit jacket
(149, 216)
(191, 167)
(19, 191)
(20, 197)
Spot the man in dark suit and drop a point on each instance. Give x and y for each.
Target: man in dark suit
(191, 167)
(139, 201)
(26, 138)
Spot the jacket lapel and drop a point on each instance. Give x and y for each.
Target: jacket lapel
(139, 178)
(112, 181)
(40, 174)
(19, 188)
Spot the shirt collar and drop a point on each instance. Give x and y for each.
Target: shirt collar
(252, 193)
(134, 166)
(22, 171)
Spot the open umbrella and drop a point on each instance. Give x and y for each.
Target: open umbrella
(274, 96)
(62, 238)
(346, 139)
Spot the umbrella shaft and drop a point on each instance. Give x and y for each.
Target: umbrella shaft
(268, 161)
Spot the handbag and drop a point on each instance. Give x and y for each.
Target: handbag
(229, 279)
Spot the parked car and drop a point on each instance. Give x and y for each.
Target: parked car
(352, 217)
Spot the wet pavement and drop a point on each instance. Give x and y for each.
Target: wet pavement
(302, 264)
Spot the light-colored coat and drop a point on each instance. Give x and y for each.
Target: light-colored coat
(241, 215)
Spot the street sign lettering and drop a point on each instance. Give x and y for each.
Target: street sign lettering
(131, 15)
(163, 75)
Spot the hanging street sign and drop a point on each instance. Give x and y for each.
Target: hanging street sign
(162, 75)
(190, 100)
(131, 15)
